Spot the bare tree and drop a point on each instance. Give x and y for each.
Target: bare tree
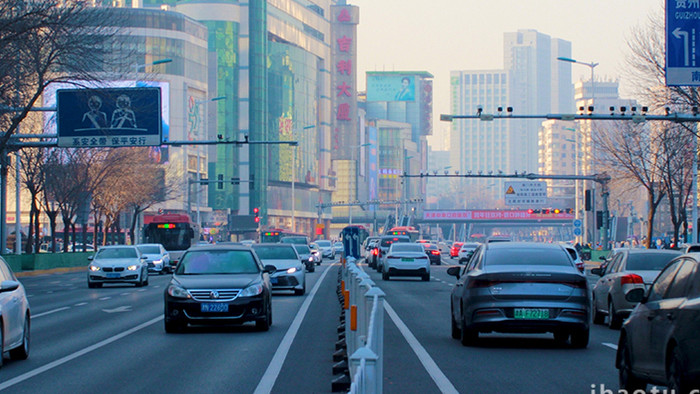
(48, 41)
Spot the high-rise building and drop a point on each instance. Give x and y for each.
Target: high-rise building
(531, 82)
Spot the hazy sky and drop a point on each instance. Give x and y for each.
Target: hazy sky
(443, 35)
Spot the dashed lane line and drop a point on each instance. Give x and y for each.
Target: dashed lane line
(610, 345)
(267, 382)
(61, 361)
(50, 312)
(444, 384)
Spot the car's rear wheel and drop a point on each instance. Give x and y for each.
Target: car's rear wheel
(614, 320)
(677, 382)
(598, 316)
(145, 282)
(456, 332)
(426, 277)
(468, 336)
(385, 276)
(22, 351)
(627, 379)
(579, 338)
(2, 341)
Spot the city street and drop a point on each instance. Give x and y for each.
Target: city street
(112, 340)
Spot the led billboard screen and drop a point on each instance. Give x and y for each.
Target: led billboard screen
(391, 88)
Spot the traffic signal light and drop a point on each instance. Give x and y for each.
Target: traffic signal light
(530, 211)
(256, 211)
(557, 210)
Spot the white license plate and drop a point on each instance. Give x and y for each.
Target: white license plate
(214, 307)
(113, 275)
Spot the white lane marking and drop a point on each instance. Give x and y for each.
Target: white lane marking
(610, 345)
(267, 382)
(124, 308)
(124, 294)
(105, 298)
(50, 312)
(80, 304)
(61, 361)
(429, 364)
(141, 290)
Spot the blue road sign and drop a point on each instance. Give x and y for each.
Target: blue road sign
(578, 223)
(115, 117)
(682, 29)
(577, 231)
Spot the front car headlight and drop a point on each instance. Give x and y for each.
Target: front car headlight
(251, 290)
(132, 267)
(292, 270)
(93, 268)
(178, 292)
(311, 258)
(159, 261)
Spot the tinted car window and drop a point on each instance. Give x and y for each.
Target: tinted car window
(294, 240)
(658, 289)
(325, 244)
(149, 249)
(525, 256)
(303, 249)
(275, 253)
(648, 262)
(401, 247)
(679, 287)
(388, 241)
(211, 262)
(116, 253)
(431, 247)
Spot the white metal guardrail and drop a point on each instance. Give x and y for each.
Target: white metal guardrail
(364, 336)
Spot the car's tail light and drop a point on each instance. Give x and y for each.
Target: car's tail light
(435, 252)
(631, 279)
(375, 252)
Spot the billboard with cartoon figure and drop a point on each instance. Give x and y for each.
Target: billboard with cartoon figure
(109, 117)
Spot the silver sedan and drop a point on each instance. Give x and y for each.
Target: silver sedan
(14, 315)
(517, 287)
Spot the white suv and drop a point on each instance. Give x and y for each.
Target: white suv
(466, 251)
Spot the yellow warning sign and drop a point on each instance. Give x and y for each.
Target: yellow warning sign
(510, 190)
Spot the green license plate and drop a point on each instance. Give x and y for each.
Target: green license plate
(531, 314)
(407, 260)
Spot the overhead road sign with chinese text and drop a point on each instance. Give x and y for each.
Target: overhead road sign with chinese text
(109, 117)
(526, 193)
(682, 29)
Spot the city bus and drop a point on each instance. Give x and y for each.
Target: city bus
(409, 231)
(275, 235)
(175, 231)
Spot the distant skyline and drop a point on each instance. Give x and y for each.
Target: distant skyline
(442, 35)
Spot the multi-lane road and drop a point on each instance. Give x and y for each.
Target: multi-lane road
(112, 340)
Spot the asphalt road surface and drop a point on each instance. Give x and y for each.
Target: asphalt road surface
(112, 340)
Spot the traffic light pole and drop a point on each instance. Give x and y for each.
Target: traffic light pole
(603, 179)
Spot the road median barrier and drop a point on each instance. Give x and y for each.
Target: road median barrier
(46, 263)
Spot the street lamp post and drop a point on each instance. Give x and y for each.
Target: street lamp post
(592, 66)
(577, 201)
(357, 166)
(199, 167)
(294, 176)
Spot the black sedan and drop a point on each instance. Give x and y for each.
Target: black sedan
(659, 342)
(219, 284)
(433, 253)
(517, 287)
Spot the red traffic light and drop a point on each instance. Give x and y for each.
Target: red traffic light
(257, 219)
(256, 210)
(530, 211)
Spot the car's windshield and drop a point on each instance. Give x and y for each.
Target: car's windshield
(324, 244)
(302, 249)
(294, 240)
(648, 261)
(117, 253)
(526, 256)
(149, 249)
(217, 262)
(406, 247)
(267, 252)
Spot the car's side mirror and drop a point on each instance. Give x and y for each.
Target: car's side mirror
(454, 271)
(90, 258)
(270, 269)
(144, 258)
(8, 285)
(635, 295)
(597, 271)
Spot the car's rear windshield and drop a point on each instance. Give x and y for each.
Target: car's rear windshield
(648, 261)
(430, 246)
(116, 253)
(407, 247)
(294, 240)
(215, 262)
(150, 249)
(389, 241)
(302, 249)
(526, 256)
(275, 252)
(323, 243)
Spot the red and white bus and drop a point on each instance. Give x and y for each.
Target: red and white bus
(175, 231)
